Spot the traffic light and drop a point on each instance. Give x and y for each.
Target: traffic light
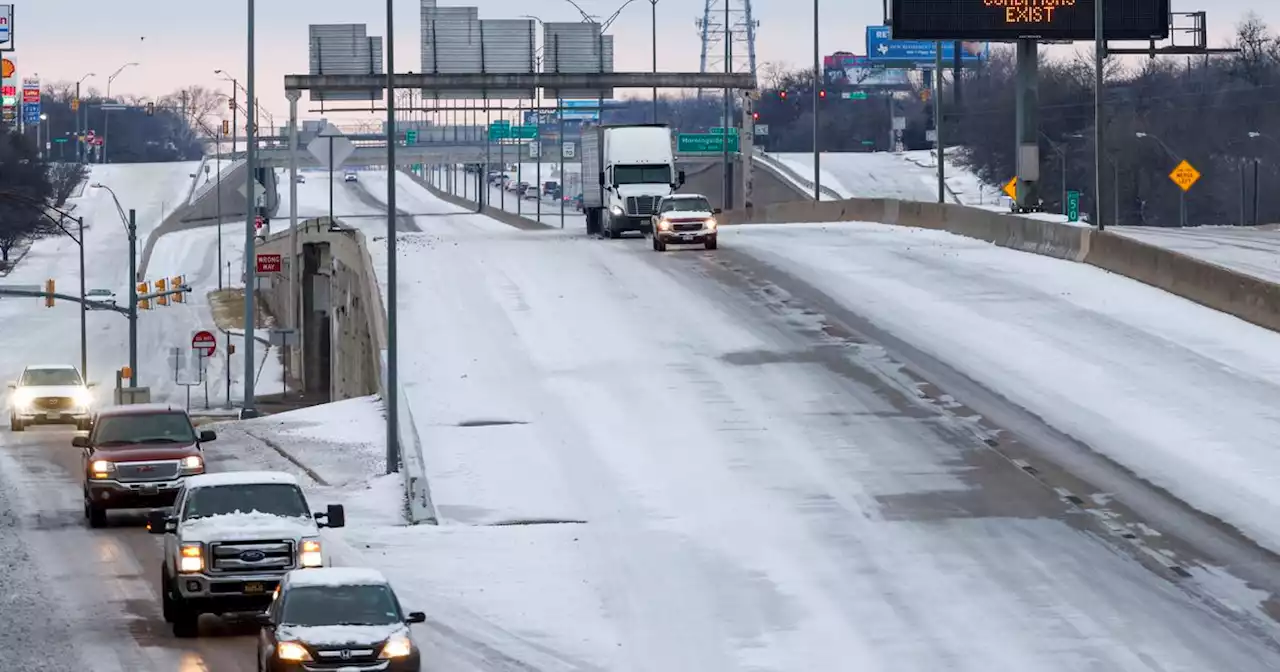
(176, 282)
(782, 95)
(755, 116)
(226, 127)
(144, 288)
(162, 285)
(822, 93)
(231, 103)
(151, 109)
(48, 289)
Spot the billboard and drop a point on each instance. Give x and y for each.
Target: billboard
(6, 27)
(881, 47)
(849, 71)
(1004, 20)
(30, 101)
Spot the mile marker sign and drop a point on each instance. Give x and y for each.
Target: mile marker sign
(204, 342)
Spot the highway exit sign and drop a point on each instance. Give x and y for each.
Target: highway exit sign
(704, 143)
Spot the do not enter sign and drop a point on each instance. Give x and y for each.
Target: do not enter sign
(204, 342)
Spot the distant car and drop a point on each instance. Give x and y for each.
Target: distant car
(350, 176)
(302, 179)
(50, 394)
(100, 296)
(337, 618)
(684, 219)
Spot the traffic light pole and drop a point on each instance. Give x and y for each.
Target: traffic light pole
(84, 310)
(133, 298)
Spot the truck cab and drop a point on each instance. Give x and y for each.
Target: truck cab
(626, 171)
(230, 539)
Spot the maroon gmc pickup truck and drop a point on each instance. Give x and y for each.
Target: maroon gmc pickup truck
(137, 457)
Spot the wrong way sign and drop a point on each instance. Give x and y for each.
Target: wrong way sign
(204, 342)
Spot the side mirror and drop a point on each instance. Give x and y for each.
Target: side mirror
(334, 516)
(680, 178)
(416, 617)
(264, 620)
(208, 435)
(80, 441)
(717, 211)
(158, 521)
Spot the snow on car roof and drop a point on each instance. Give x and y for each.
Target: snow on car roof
(59, 367)
(337, 576)
(240, 478)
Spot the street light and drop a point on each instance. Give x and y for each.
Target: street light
(40, 137)
(80, 149)
(131, 228)
(1060, 150)
(653, 17)
(1182, 197)
(235, 110)
(106, 118)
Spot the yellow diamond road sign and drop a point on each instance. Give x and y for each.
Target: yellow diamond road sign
(1011, 189)
(1185, 176)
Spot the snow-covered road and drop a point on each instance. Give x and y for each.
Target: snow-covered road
(1248, 250)
(756, 491)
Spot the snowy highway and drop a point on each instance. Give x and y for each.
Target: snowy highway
(843, 447)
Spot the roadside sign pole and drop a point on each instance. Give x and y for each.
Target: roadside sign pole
(84, 310)
(133, 298)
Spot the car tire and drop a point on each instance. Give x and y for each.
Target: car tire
(658, 245)
(97, 515)
(186, 623)
(166, 598)
(711, 242)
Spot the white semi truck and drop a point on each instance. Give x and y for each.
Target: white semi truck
(626, 170)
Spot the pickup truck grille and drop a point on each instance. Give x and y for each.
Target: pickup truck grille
(641, 205)
(134, 472)
(252, 556)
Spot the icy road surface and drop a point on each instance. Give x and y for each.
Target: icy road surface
(756, 490)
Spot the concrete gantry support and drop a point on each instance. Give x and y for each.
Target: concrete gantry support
(294, 303)
(1028, 123)
(537, 80)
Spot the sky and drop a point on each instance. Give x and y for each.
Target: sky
(177, 44)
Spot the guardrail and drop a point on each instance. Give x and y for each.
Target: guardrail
(413, 468)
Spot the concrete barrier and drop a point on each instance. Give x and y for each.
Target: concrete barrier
(1246, 297)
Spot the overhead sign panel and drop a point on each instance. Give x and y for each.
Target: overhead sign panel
(576, 48)
(6, 28)
(881, 47)
(344, 49)
(1004, 20)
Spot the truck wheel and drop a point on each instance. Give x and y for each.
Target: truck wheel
(166, 598)
(97, 515)
(711, 242)
(658, 245)
(613, 233)
(15, 424)
(186, 622)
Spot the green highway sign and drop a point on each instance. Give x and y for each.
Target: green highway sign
(411, 137)
(499, 131)
(59, 139)
(417, 168)
(854, 95)
(1073, 206)
(524, 132)
(705, 143)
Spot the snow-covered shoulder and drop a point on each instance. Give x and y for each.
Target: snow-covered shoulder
(240, 478)
(337, 576)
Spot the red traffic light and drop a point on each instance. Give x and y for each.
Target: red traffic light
(782, 94)
(755, 115)
(822, 93)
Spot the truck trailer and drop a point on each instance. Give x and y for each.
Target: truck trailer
(626, 170)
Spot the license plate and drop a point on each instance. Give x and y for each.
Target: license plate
(254, 587)
(150, 489)
(686, 236)
(52, 415)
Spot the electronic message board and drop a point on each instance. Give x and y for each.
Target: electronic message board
(1002, 20)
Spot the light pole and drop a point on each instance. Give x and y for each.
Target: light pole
(41, 136)
(393, 376)
(251, 183)
(653, 19)
(235, 111)
(1256, 199)
(1060, 148)
(1182, 196)
(106, 123)
(131, 229)
(817, 95)
(80, 151)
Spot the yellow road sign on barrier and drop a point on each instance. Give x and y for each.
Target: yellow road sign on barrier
(1011, 189)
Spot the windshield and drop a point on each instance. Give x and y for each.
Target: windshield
(42, 377)
(143, 428)
(686, 205)
(277, 499)
(340, 605)
(642, 174)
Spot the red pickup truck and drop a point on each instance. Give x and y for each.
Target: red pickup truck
(137, 457)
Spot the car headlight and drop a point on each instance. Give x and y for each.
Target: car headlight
(23, 397)
(192, 464)
(309, 553)
(191, 558)
(82, 398)
(710, 224)
(396, 647)
(292, 651)
(101, 468)
(664, 225)
(616, 210)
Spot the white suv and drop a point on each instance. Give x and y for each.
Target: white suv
(50, 394)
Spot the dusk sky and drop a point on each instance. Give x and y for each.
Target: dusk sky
(185, 42)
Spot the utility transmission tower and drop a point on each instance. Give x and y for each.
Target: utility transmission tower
(740, 27)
